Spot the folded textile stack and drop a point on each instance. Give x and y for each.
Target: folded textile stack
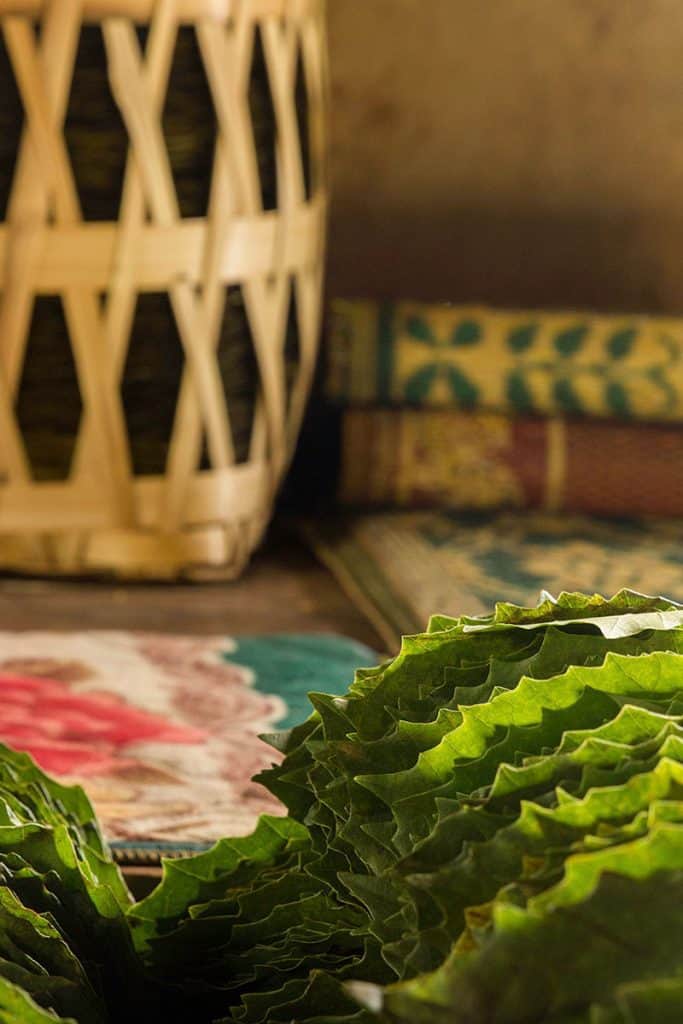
(470, 408)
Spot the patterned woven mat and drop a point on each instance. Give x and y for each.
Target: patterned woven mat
(163, 731)
(401, 568)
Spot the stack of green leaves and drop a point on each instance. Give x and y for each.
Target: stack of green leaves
(65, 942)
(466, 775)
(488, 828)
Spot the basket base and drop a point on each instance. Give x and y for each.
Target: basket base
(226, 513)
(218, 553)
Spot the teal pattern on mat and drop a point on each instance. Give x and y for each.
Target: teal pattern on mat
(409, 565)
(294, 665)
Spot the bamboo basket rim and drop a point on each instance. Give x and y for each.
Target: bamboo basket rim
(187, 11)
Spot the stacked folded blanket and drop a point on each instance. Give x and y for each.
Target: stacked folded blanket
(467, 408)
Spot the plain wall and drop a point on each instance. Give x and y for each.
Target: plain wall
(518, 152)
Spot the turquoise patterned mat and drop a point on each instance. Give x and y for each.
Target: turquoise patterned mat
(294, 665)
(401, 568)
(163, 731)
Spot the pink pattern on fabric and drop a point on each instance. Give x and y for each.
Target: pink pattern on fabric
(161, 731)
(68, 732)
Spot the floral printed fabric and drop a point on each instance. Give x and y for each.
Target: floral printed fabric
(162, 731)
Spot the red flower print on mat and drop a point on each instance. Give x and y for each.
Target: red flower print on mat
(78, 733)
(160, 730)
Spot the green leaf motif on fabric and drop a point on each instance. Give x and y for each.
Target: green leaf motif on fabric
(569, 342)
(566, 397)
(521, 339)
(621, 343)
(518, 393)
(464, 391)
(658, 376)
(419, 328)
(617, 399)
(467, 332)
(419, 385)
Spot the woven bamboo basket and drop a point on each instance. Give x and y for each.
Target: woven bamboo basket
(162, 227)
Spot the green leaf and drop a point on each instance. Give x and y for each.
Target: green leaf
(35, 956)
(617, 399)
(613, 627)
(533, 967)
(519, 394)
(466, 333)
(487, 827)
(570, 341)
(566, 397)
(620, 344)
(647, 1002)
(194, 880)
(17, 1007)
(419, 384)
(570, 607)
(464, 391)
(520, 339)
(419, 328)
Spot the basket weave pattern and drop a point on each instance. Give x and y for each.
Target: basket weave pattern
(206, 512)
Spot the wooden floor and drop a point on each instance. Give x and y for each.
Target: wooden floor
(284, 590)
